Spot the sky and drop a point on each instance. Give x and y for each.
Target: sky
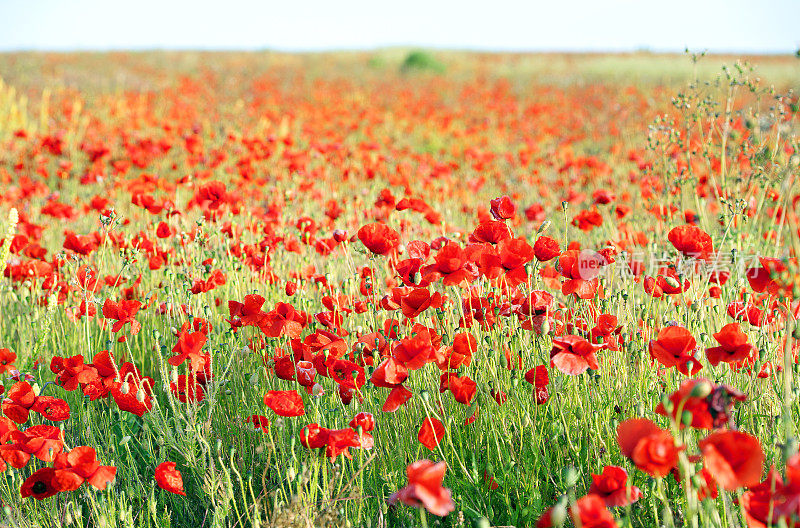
(738, 26)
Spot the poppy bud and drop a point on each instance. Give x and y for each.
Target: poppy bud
(570, 476)
(124, 388)
(672, 282)
(558, 515)
(701, 390)
(140, 395)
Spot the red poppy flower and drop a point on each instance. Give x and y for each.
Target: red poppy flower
(691, 241)
(133, 394)
(40, 441)
(187, 389)
(503, 208)
(463, 388)
(708, 405)
(415, 352)
(650, 448)
(19, 400)
(490, 231)
(546, 249)
(425, 488)
(379, 238)
(42, 484)
(169, 478)
(452, 264)
(189, 347)
(247, 313)
(258, 421)
(674, 347)
(7, 359)
(581, 269)
(72, 372)
(82, 462)
(364, 420)
(573, 355)
(389, 373)
(418, 300)
(53, 409)
(396, 399)
(539, 378)
(733, 346)
(460, 353)
(431, 433)
(733, 458)
(768, 278)
(612, 486)
(283, 320)
(750, 313)
(589, 512)
(766, 503)
(313, 436)
(285, 403)
(339, 441)
(123, 312)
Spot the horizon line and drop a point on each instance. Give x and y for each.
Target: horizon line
(398, 47)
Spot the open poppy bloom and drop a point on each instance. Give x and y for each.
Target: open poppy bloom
(45, 483)
(691, 241)
(674, 347)
(540, 379)
(735, 459)
(503, 208)
(650, 448)
(589, 511)
(169, 478)
(425, 488)
(546, 249)
(7, 358)
(123, 312)
(285, 403)
(573, 355)
(612, 486)
(82, 462)
(379, 238)
(708, 405)
(431, 433)
(733, 346)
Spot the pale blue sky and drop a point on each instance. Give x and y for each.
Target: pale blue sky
(595, 25)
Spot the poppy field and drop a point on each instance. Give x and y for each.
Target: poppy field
(347, 290)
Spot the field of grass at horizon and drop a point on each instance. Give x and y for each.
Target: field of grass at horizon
(145, 69)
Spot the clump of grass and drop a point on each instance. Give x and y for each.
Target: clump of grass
(421, 61)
